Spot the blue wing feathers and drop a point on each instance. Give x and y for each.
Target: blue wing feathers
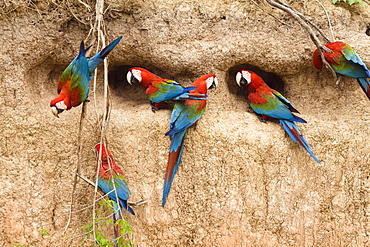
(122, 190)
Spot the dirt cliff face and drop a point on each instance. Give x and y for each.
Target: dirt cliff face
(241, 182)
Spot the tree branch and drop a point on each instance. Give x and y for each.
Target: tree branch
(302, 21)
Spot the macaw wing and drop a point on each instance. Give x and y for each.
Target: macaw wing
(122, 189)
(184, 116)
(284, 101)
(272, 106)
(164, 90)
(350, 54)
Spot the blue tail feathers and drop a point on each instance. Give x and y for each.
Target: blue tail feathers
(95, 60)
(294, 133)
(365, 85)
(174, 161)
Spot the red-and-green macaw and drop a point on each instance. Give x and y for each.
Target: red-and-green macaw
(112, 182)
(344, 60)
(267, 102)
(73, 84)
(160, 90)
(184, 115)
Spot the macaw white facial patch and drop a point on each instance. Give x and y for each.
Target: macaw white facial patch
(247, 76)
(137, 74)
(61, 105)
(211, 81)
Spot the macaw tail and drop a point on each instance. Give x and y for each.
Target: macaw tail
(95, 60)
(83, 50)
(174, 161)
(294, 133)
(365, 85)
(125, 205)
(117, 216)
(116, 227)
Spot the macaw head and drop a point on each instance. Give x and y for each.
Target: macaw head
(134, 75)
(58, 105)
(316, 59)
(211, 81)
(103, 149)
(243, 77)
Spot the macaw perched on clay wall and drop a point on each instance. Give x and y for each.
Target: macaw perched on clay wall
(345, 61)
(184, 115)
(267, 102)
(73, 84)
(160, 90)
(112, 182)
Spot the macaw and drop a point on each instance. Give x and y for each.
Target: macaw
(160, 90)
(184, 115)
(109, 171)
(73, 84)
(344, 60)
(267, 102)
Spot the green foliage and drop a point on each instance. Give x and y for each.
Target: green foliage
(350, 2)
(17, 244)
(101, 239)
(44, 232)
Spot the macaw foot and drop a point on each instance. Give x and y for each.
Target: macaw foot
(338, 80)
(154, 106)
(262, 118)
(135, 204)
(87, 100)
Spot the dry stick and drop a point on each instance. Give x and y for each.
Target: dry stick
(308, 21)
(329, 22)
(99, 8)
(265, 11)
(308, 29)
(78, 168)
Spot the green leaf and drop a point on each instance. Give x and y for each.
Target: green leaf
(44, 232)
(350, 2)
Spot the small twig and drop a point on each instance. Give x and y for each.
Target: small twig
(265, 11)
(86, 180)
(138, 203)
(74, 15)
(306, 20)
(329, 22)
(86, 5)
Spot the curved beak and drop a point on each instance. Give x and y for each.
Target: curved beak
(215, 83)
(56, 111)
(239, 78)
(129, 77)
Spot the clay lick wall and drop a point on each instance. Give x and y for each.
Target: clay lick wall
(241, 182)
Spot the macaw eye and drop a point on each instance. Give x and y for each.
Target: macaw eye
(243, 77)
(137, 74)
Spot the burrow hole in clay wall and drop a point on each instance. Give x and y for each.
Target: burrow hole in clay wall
(273, 80)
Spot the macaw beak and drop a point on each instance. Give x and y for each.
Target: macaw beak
(214, 84)
(56, 111)
(129, 77)
(240, 79)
